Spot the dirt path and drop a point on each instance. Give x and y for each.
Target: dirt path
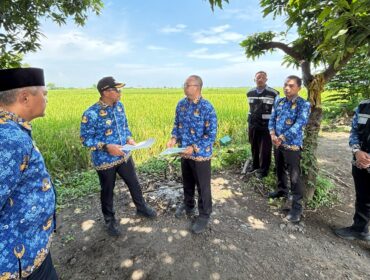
(247, 239)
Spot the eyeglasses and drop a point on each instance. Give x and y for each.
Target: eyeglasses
(186, 85)
(114, 89)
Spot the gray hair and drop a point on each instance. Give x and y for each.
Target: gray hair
(198, 79)
(8, 97)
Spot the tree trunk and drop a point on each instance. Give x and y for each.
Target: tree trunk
(309, 161)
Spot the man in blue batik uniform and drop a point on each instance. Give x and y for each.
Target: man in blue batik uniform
(289, 117)
(195, 129)
(360, 143)
(104, 129)
(27, 197)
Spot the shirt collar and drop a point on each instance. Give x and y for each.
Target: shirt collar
(195, 101)
(105, 105)
(5, 115)
(260, 90)
(294, 99)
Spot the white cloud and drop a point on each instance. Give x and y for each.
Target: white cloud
(249, 14)
(78, 45)
(216, 35)
(155, 48)
(219, 29)
(204, 54)
(173, 29)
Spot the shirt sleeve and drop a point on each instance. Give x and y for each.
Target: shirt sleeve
(88, 132)
(277, 97)
(296, 129)
(272, 121)
(354, 139)
(210, 131)
(13, 160)
(175, 129)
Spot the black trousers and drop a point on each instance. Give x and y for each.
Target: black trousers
(362, 213)
(288, 171)
(45, 271)
(261, 147)
(107, 180)
(197, 173)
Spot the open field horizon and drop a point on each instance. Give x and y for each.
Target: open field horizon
(150, 114)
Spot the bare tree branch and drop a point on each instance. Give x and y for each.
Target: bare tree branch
(284, 47)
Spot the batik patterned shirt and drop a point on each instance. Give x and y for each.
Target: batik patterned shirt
(288, 120)
(103, 124)
(195, 125)
(27, 200)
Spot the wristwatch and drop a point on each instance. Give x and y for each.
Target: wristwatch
(355, 150)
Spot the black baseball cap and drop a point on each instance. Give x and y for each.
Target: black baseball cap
(21, 77)
(108, 82)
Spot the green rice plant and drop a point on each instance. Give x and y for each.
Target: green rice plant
(150, 114)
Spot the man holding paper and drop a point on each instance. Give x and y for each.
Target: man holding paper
(195, 129)
(104, 129)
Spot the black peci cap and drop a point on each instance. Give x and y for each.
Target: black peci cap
(21, 77)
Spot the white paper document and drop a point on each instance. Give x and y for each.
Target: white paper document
(142, 145)
(171, 151)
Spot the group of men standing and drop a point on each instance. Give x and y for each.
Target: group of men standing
(27, 196)
(279, 122)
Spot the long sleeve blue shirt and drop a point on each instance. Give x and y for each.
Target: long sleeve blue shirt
(27, 200)
(195, 125)
(103, 124)
(288, 120)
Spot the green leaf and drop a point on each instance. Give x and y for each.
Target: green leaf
(340, 33)
(324, 14)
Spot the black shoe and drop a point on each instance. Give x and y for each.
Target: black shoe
(200, 225)
(350, 234)
(146, 212)
(260, 175)
(294, 215)
(277, 194)
(113, 228)
(250, 169)
(181, 209)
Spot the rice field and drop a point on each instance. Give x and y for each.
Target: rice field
(150, 114)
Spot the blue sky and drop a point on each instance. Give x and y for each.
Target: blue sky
(147, 43)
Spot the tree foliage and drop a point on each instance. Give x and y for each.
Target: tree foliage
(20, 23)
(217, 3)
(328, 33)
(352, 82)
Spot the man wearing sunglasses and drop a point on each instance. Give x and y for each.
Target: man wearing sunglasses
(195, 129)
(104, 130)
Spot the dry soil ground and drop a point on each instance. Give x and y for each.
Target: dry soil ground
(247, 239)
